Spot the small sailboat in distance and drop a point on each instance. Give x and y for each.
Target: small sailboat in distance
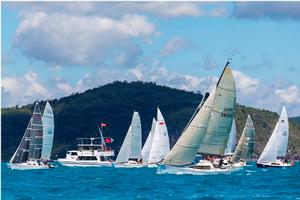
(130, 153)
(207, 133)
(277, 145)
(245, 148)
(32, 153)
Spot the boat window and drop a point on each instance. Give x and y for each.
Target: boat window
(73, 153)
(87, 158)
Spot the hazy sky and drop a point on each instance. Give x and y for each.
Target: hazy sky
(51, 49)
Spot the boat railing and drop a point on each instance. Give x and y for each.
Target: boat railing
(89, 142)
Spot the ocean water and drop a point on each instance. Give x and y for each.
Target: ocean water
(110, 183)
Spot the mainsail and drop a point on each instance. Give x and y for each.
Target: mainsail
(164, 136)
(21, 154)
(48, 132)
(278, 142)
(160, 144)
(231, 140)
(36, 134)
(148, 143)
(132, 145)
(209, 130)
(245, 147)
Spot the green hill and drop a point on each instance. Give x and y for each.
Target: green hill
(77, 116)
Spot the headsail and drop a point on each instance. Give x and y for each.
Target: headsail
(148, 143)
(36, 134)
(21, 154)
(48, 132)
(245, 147)
(231, 140)
(208, 131)
(132, 145)
(278, 142)
(124, 152)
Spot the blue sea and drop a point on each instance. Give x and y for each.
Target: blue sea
(109, 183)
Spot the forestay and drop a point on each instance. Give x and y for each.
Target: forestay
(36, 134)
(278, 142)
(209, 130)
(48, 131)
(245, 147)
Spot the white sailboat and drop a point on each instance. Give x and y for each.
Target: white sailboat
(29, 152)
(207, 133)
(130, 153)
(277, 145)
(148, 143)
(231, 141)
(245, 148)
(160, 144)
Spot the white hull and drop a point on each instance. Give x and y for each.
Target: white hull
(167, 169)
(128, 165)
(74, 163)
(26, 166)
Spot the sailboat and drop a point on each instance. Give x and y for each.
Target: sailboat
(245, 147)
(231, 141)
(35, 148)
(148, 144)
(160, 146)
(130, 153)
(207, 132)
(277, 145)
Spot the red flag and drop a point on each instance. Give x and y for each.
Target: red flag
(103, 124)
(161, 123)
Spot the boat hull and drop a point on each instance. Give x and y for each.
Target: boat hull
(25, 166)
(70, 163)
(269, 165)
(128, 165)
(167, 169)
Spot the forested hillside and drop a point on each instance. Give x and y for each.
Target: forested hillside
(78, 115)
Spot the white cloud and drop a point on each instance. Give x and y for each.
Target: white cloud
(173, 45)
(62, 39)
(290, 95)
(23, 89)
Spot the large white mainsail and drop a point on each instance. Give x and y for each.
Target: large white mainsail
(132, 145)
(245, 147)
(21, 154)
(164, 136)
(36, 134)
(148, 143)
(48, 132)
(231, 140)
(278, 142)
(209, 130)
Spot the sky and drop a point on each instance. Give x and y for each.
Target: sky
(53, 49)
